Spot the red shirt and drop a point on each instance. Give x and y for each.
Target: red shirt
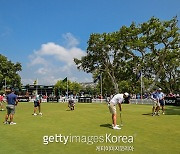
(1, 98)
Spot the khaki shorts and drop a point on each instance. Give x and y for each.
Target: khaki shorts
(10, 109)
(112, 108)
(156, 103)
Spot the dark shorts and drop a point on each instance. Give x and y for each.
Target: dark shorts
(71, 103)
(36, 103)
(10, 109)
(162, 103)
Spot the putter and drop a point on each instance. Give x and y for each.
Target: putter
(121, 124)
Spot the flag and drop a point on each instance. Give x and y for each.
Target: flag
(97, 79)
(35, 82)
(65, 79)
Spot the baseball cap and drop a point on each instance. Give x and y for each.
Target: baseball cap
(126, 94)
(159, 89)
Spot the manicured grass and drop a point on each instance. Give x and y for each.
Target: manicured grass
(159, 134)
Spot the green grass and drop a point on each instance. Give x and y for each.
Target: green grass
(151, 134)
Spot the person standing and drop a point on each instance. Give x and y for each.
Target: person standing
(117, 99)
(156, 104)
(12, 101)
(1, 102)
(161, 100)
(37, 104)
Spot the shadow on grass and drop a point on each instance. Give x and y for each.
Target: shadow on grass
(69, 110)
(172, 110)
(106, 125)
(169, 110)
(148, 114)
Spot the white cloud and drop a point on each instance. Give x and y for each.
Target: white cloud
(42, 71)
(60, 53)
(70, 40)
(53, 62)
(36, 59)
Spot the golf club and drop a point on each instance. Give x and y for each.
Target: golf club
(121, 123)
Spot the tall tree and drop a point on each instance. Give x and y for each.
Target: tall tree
(103, 55)
(161, 62)
(145, 48)
(9, 73)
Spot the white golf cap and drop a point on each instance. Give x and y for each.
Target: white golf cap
(126, 94)
(159, 89)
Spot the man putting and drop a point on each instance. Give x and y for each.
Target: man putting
(117, 99)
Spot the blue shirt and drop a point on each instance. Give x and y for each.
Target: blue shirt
(11, 99)
(161, 95)
(154, 95)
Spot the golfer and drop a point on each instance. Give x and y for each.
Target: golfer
(161, 100)
(71, 103)
(156, 104)
(12, 102)
(117, 99)
(37, 104)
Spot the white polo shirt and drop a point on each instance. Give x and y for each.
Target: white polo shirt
(118, 98)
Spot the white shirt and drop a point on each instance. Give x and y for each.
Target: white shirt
(118, 98)
(37, 98)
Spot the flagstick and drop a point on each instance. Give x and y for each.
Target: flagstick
(5, 84)
(101, 87)
(141, 85)
(67, 88)
(37, 85)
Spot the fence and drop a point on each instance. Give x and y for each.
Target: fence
(168, 100)
(141, 101)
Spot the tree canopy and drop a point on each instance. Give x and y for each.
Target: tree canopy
(62, 85)
(150, 48)
(9, 73)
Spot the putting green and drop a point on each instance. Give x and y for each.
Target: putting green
(88, 130)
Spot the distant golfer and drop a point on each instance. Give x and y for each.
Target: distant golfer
(12, 101)
(37, 104)
(117, 99)
(71, 104)
(161, 100)
(156, 104)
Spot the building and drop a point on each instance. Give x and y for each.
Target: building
(41, 89)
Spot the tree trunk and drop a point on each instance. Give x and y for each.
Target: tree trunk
(113, 79)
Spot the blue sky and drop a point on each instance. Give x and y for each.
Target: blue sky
(45, 35)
